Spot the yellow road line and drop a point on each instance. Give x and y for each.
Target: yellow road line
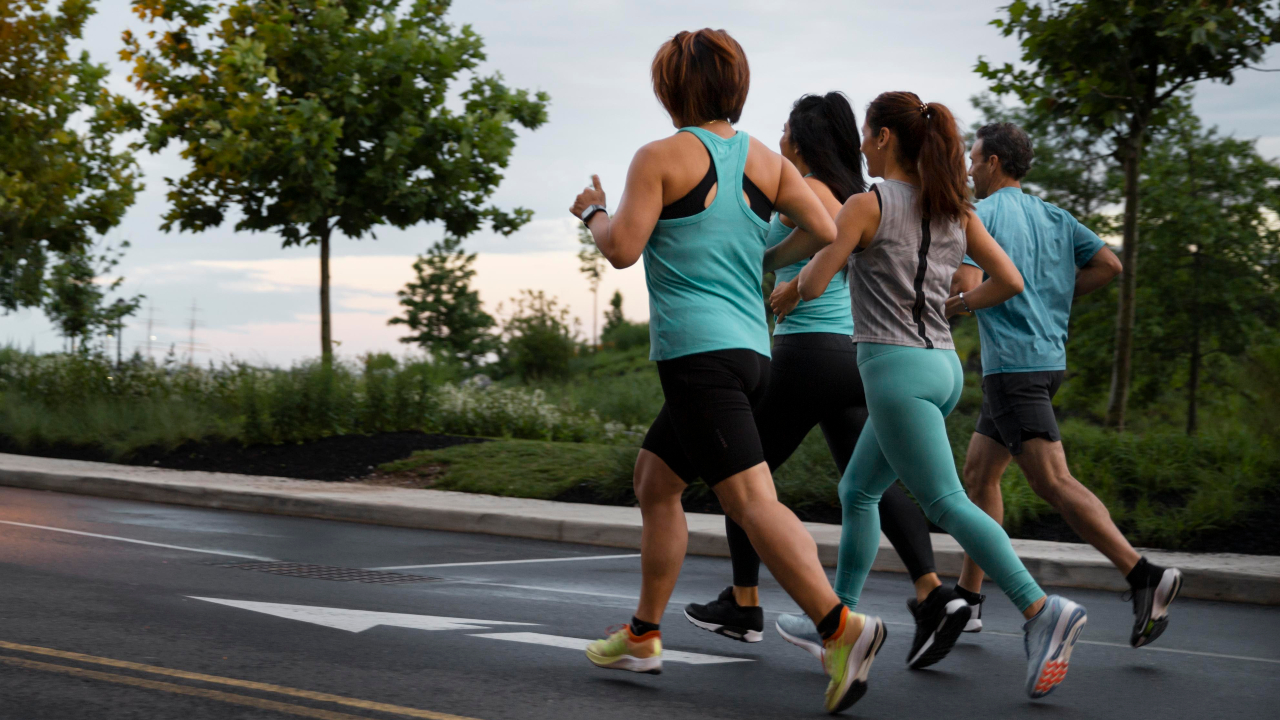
(180, 689)
(247, 684)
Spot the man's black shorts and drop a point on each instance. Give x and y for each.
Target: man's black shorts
(707, 426)
(1018, 407)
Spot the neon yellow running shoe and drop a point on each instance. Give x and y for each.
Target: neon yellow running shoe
(624, 650)
(848, 658)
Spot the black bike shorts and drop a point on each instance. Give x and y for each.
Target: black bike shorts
(1019, 406)
(707, 426)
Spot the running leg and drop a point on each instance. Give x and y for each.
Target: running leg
(1045, 465)
(664, 536)
(900, 519)
(984, 465)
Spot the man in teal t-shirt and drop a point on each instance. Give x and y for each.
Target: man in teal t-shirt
(1023, 361)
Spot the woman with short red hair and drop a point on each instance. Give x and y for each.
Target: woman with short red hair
(697, 207)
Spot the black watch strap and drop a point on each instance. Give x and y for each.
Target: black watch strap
(591, 212)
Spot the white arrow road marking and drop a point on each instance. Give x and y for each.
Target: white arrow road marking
(358, 620)
(580, 644)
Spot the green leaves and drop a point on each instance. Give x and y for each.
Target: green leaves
(60, 182)
(1111, 63)
(301, 112)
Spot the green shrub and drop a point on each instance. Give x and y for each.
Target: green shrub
(626, 335)
(539, 342)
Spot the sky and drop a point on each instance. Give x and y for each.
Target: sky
(255, 301)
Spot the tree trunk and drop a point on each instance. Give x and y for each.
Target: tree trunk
(1193, 380)
(1193, 375)
(1125, 312)
(326, 337)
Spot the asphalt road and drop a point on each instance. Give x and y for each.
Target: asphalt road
(94, 626)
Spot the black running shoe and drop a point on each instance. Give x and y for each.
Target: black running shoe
(939, 621)
(1151, 605)
(724, 616)
(975, 616)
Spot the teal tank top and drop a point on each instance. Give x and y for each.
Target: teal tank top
(830, 312)
(704, 271)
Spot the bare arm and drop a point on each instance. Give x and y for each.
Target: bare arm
(1100, 270)
(814, 227)
(622, 237)
(1003, 279)
(856, 225)
(967, 278)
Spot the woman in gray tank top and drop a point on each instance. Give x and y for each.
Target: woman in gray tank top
(907, 237)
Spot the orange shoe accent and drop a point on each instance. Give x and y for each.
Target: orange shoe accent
(1053, 674)
(651, 635)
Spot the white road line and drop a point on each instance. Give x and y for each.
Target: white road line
(571, 643)
(137, 542)
(551, 590)
(1178, 651)
(506, 562)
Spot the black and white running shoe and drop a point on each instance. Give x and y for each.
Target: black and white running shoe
(1151, 605)
(939, 621)
(724, 616)
(975, 616)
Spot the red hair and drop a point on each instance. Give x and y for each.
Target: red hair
(701, 76)
(928, 140)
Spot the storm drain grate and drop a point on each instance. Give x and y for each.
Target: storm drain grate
(326, 572)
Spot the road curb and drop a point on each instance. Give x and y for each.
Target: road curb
(1208, 576)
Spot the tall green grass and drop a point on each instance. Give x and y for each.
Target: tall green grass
(84, 399)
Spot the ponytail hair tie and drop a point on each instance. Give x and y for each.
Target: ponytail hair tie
(924, 108)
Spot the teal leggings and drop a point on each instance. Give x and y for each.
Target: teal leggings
(909, 393)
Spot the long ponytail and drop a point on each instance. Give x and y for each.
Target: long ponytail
(928, 140)
(825, 132)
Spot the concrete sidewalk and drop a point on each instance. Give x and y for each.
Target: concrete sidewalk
(1209, 576)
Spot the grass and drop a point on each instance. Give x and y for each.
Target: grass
(1162, 490)
(522, 468)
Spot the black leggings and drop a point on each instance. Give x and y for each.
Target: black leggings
(814, 380)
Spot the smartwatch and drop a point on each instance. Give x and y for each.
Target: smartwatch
(591, 211)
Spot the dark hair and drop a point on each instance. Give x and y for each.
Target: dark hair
(1010, 144)
(825, 132)
(701, 76)
(929, 140)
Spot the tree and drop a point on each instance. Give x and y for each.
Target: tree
(75, 297)
(591, 263)
(1111, 66)
(539, 337)
(441, 308)
(1212, 275)
(613, 317)
(315, 116)
(61, 180)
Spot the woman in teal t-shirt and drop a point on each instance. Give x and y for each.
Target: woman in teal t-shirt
(814, 380)
(697, 208)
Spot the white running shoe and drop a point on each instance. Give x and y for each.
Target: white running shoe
(1050, 636)
(799, 631)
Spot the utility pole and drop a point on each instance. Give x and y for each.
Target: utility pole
(151, 316)
(191, 343)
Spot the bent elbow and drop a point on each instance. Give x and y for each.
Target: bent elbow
(1115, 268)
(1016, 286)
(621, 261)
(808, 290)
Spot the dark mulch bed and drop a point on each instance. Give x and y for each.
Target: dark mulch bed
(335, 459)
